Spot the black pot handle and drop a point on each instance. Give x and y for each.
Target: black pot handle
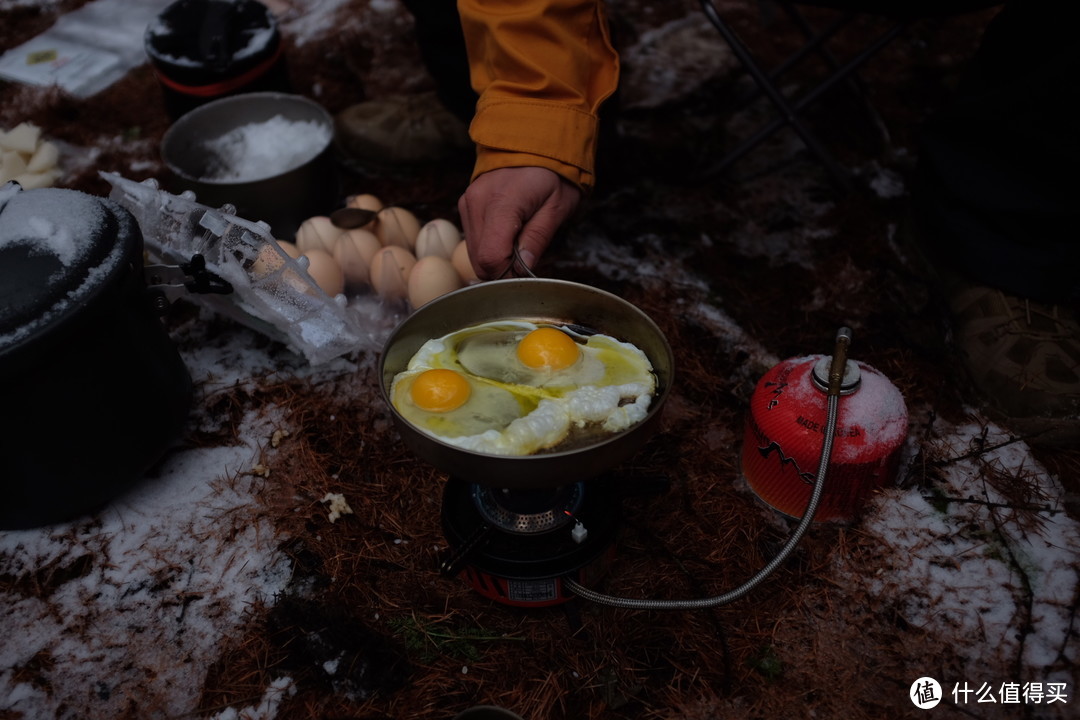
(166, 283)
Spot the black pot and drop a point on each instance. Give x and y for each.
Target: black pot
(202, 50)
(94, 392)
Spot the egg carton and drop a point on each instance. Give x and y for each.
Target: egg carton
(272, 293)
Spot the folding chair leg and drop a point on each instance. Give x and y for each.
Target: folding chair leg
(814, 41)
(789, 112)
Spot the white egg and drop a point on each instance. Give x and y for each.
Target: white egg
(354, 250)
(390, 268)
(397, 226)
(290, 249)
(431, 277)
(461, 262)
(325, 271)
(317, 232)
(437, 237)
(365, 201)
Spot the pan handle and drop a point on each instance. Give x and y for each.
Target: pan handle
(516, 263)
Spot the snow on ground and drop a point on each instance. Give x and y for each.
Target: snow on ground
(985, 571)
(311, 19)
(996, 575)
(162, 575)
(127, 608)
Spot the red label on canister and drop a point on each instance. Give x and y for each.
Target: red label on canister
(785, 429)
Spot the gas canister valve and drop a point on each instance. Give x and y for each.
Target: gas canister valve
(579, 532)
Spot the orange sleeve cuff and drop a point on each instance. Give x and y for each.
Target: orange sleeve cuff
(494, 159)
(543, 134)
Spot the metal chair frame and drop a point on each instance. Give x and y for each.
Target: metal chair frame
(789, 110)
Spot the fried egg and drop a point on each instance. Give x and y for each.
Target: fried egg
(529, 387)
(449, 404)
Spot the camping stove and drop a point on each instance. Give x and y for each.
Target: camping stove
(515, 546)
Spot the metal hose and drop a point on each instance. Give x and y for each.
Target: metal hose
(836, 374)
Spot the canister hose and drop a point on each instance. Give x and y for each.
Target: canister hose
(836, 375)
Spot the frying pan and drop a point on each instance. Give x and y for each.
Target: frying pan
(538, 300)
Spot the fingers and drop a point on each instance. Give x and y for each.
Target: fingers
(492, 222)
(524, 205)
(540, 229)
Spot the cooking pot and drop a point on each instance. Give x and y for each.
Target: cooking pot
(283, 196)
(537, 300)
(94, 391)
(202, 50)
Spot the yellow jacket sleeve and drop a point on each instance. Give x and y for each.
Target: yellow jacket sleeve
(542, 68)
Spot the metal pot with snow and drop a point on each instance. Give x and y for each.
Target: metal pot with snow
(268, 155)
(94, 390)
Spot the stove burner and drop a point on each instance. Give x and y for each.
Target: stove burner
(516, 546)
(528, 511)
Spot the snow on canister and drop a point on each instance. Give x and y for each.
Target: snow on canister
(785, 429)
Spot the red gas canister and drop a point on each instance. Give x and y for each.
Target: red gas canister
(785, 429)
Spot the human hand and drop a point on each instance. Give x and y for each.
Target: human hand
(526, 205)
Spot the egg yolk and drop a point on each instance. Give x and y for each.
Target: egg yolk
(547, 348)
(440, 390)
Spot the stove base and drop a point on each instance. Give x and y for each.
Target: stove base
(534, 592)
(526, 569)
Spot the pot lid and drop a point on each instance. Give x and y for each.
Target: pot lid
(199, 41)
(56, 247)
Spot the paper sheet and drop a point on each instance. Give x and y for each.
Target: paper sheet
(86, 50)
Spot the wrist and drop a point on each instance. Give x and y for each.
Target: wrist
(488, 159)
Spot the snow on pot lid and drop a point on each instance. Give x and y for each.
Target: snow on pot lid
(57, 247)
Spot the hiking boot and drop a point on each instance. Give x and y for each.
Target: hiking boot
(399, 130)
(1024, 357)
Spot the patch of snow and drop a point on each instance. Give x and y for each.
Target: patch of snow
(267, 709)
(672, 62)
(42, 4)
(165, 573)
(311, 19)
(887, 184)
(260, 150)
(962, 561)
